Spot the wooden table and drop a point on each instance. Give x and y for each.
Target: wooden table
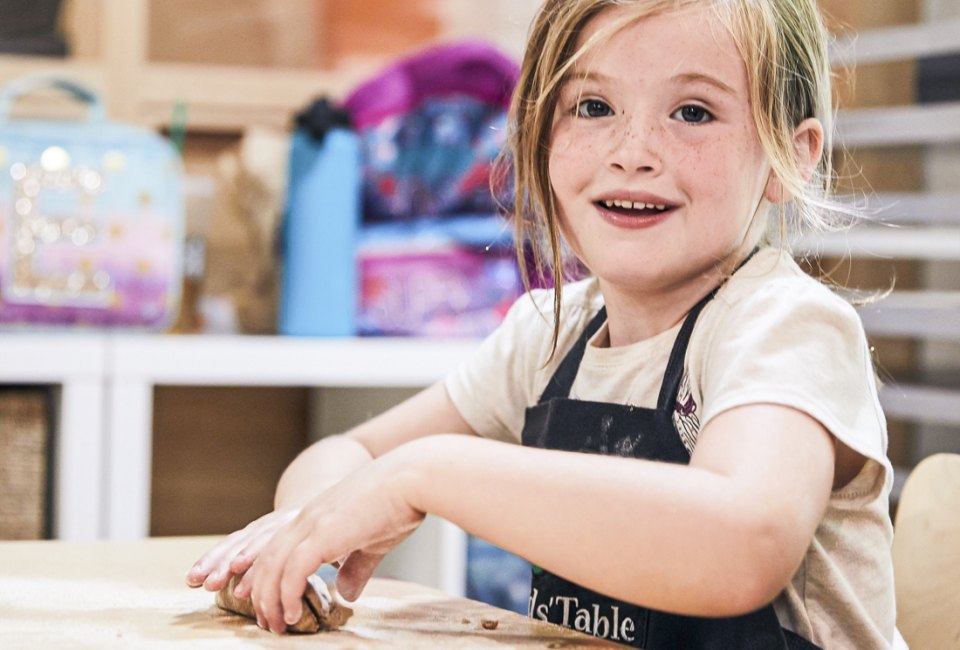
(132, 595)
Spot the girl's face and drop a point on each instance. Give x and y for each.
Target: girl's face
(655, 159)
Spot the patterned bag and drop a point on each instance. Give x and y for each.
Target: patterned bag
(91, 218)
(435, 257)
(431, 125)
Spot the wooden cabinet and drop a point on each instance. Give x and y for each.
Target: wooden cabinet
(239, 63)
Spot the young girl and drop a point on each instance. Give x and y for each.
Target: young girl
(701, 458)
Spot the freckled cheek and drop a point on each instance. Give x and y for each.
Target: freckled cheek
(703, 167)
(716, 166)
(565, 177)
(564, 147)
(572, 164)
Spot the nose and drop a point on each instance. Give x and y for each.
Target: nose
(638, 149)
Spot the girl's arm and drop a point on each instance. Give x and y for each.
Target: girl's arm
(320, 466)
(328, 461)
(719, 537)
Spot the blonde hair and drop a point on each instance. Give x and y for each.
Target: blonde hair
(783, 44)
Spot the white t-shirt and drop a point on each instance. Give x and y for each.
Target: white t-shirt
(773, 335)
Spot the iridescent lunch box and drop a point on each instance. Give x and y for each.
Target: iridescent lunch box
(91, 218)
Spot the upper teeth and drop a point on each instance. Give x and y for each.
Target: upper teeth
(633, 205)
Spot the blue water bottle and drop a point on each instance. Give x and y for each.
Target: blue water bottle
(320, 287)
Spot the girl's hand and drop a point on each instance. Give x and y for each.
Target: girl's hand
(357, 522)
(236, 553)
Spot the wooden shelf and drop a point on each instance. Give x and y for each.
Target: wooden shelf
(230, 98)
(89, 72)
(52, 358)
(217, 98)
(106, 380)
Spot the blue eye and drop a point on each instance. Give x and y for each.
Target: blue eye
(593, 108)
(693, 114)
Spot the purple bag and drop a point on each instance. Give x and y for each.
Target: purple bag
(430, 126)
(435, 258)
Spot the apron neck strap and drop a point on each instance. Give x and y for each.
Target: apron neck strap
(562, 381)
(673, 375)
(674, 372)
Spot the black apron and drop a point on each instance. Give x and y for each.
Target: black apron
(558, 422)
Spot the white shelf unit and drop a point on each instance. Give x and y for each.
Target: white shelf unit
(134, 365)
(104, 410)
(74, 366)
(104, 416)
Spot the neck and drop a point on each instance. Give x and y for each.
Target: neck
(635, 315)
(632, 317)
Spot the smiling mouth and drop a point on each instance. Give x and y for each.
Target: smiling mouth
(634, 208)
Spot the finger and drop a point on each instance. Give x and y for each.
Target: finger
(219, 576)
(244, 557)
(244, 586)
(355, 572)
(210, 561)
(254, 544)
(266, 581)
(265, 599)
(202, 567)
(294, 581)
(236, 557)
(242, 562)
(195, 578)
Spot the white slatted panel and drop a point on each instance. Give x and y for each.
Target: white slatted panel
(897, 43)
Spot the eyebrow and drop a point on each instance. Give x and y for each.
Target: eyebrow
(683, 77)
(697, 77)
(583, 75)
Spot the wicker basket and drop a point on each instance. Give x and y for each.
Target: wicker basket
(24, 456)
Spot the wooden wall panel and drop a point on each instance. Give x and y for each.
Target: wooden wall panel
(844, 15)
(891, 169)
(238, 32)
(25, 456)
(378, 28)
(218, 453)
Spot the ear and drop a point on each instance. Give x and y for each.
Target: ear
(807, 147)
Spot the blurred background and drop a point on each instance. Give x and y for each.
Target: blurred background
(184, 428)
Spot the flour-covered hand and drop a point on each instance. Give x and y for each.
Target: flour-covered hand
(237, 552)
(356, 522)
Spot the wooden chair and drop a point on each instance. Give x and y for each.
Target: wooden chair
(926, 555)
